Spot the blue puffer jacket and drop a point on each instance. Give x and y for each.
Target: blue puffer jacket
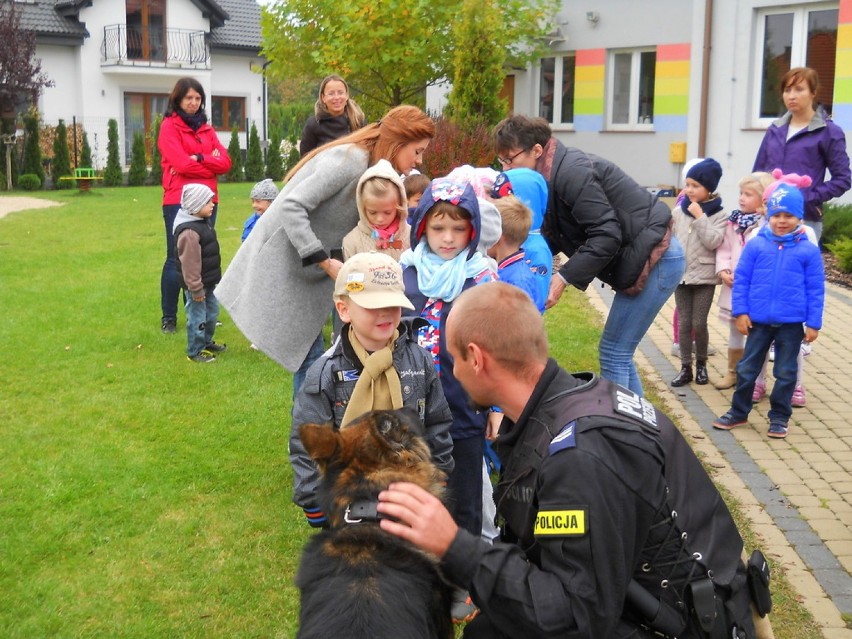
(820, 146)
(780, 280)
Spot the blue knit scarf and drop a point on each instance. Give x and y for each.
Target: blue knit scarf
(439, 278)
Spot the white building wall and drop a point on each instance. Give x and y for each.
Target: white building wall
(238, 76)
(732, 135)
(94, 94)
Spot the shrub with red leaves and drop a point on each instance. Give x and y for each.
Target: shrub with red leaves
(454, 146)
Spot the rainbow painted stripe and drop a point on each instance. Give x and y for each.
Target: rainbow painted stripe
(671, 91)
(842, 108)
(671, 88)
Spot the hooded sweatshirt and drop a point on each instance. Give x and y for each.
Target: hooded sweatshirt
(467, 421)
(363, 237)
(531, 188)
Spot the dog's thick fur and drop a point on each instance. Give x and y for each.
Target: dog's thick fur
(356, 580)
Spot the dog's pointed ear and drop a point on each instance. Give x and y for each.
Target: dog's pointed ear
(386, 423)
(320, 440)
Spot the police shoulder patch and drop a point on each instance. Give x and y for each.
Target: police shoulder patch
(631, 404)
(570, 521)
(565, 438)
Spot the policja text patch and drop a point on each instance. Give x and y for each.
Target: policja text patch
(561, 523)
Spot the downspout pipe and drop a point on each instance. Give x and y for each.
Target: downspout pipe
(705, 78)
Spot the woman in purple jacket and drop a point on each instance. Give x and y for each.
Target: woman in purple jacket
(805, 141)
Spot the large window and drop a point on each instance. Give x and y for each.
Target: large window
(630, 89)
(146, 29)
(794, 37)
(140, 111)
(227, 112)
(556, 90)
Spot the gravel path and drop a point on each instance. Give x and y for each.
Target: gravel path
(14, 203)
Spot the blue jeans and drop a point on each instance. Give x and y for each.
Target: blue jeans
(464, 485)
(788, 339)
(200, 321)
(315, 352)
(630, 316)
(169, 279)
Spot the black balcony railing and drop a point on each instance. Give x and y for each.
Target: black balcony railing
(151, 46)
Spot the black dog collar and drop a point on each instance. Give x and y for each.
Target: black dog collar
(364, 510)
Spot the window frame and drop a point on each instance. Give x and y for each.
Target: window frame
(635, 77)
(226, 100)
(558, 75)
(798, 50)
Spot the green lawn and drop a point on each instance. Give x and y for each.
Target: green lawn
(142, 495)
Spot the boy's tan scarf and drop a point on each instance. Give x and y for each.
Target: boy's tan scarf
(378, 387)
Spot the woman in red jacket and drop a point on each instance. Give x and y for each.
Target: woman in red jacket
(191, 153)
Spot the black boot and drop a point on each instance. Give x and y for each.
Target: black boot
(684, 376)
(701, 373)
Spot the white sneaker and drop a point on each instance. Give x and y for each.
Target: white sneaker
(772, 352)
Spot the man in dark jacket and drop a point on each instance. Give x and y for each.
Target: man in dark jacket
(613, 527)
(610, 228)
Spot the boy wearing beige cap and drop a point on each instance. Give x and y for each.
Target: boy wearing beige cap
(375, 364)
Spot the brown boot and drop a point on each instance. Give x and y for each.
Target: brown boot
(730, 380)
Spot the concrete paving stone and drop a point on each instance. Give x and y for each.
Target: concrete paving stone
(789, 523)
(809, 501)
(794, 489)
(804, 472)
(836, 633)
(831, 530)
(808, 446)
(839, 547)
(816, 458)
(843, 488)
(811, 513)
(845, 561)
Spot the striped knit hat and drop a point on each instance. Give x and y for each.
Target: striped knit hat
(194, 197)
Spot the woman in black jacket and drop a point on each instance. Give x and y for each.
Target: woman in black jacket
(609, 227)
(335, 115)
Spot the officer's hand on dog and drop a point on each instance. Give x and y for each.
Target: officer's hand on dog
(422, 518)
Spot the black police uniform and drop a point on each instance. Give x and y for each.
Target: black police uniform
(615, 529)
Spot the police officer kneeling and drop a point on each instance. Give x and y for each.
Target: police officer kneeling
(613, 528)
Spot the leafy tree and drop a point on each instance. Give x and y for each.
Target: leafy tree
(156, 157)
(274, 162)
(21, 77)
(292, 156)
(254, 157)
(390, 51)
(138, 165)
(236, 172)
(61, 166)
(32, 150)
(113, 175)
(86, 153)
(478, 67)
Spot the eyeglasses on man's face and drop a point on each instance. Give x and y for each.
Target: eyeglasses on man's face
(508, 161)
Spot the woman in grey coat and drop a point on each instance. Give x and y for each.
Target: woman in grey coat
(278, 288)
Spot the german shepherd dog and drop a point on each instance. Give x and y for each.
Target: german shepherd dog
(356, 580)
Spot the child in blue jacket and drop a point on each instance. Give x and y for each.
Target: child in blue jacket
(779, 285)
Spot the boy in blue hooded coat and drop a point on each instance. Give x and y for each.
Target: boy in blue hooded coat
(441, 263)
(779, 285)
(531, 189)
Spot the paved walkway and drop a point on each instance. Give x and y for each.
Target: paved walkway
(797, 492)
